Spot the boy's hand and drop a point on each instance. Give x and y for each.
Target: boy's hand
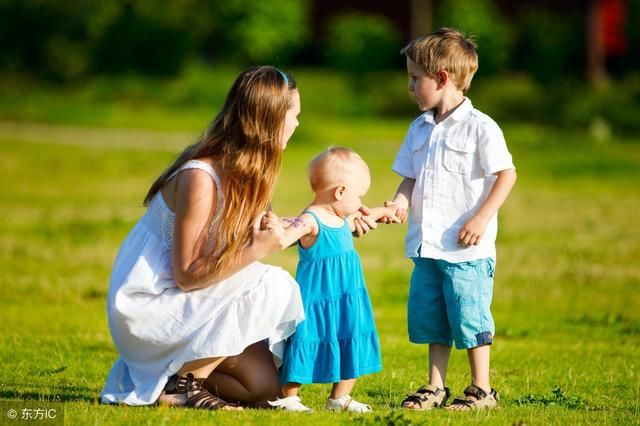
(471, 232)
(399, 215)
(388, 214)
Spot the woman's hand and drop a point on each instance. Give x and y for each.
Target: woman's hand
(267, 241)
(269, 221)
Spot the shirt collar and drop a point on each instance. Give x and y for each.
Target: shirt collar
(459, 114)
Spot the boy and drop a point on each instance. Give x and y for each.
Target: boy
(456, 173)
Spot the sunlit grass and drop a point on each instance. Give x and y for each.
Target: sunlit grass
(566, 299)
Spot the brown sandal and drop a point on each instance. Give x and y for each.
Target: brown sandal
(197, 395)
(427, 397)
(475, 398)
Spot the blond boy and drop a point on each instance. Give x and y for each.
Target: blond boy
(456, 173)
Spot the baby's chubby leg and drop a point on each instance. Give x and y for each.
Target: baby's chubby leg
(343, 387)
(340, 400)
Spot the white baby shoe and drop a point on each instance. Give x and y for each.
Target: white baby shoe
(346, 403)
(290, 403)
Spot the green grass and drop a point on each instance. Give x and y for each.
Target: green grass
(566, 302)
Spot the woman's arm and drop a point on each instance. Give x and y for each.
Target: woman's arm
(196, 196)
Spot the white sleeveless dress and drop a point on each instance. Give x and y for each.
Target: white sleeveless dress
(157, 327)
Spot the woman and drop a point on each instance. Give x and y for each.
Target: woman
(196, 319)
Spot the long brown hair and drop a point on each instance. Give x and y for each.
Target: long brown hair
(245, 140)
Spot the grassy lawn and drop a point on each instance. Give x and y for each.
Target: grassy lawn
(566, 302)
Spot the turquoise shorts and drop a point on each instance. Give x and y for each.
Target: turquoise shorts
(450, 302)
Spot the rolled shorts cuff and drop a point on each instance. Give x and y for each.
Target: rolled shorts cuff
(482, 339)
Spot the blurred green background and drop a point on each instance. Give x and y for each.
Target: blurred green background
(97, 97)
(572, 63)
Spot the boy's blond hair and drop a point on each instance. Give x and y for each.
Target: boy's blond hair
(445, 49)
(329, 168)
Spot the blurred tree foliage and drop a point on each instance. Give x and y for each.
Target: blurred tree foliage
(549, 44)
(258, 31)
(69, 39)
(134, 36)
(359, 43)
(483, 20)
(632, 31)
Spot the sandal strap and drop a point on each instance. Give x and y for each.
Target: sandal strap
(356, 406)
(430, 389)
(423, 394)
(183, 384)
(475, 397)
(204, 399)
(463, 401)
(197, 395)
(346, 403)
(475, 391)
(472, 393)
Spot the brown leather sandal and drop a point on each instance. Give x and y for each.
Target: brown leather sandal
(427, 397)
(197, 395)
(475, 398)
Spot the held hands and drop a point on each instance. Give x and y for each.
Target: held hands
(268, 235)
(367, 219)
(471, 232)
(363, 223)
(396, 215)
(268, 221)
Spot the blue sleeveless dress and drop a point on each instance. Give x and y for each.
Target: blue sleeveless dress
(338, 339)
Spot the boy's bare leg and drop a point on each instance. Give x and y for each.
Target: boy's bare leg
(479, 360)
(438, 363)
(343, 387)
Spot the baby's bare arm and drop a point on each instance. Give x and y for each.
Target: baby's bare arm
(298, 227)
(375, 214)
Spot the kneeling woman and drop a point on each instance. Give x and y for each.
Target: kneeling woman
(197, 321)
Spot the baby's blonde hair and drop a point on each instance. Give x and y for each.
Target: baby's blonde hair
(329, 168)
(445, 49)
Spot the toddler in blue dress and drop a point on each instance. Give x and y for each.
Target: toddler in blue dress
(338, 341)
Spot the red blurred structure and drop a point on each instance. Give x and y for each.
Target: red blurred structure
(605, 36)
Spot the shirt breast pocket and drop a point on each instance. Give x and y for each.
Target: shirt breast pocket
(458, 154)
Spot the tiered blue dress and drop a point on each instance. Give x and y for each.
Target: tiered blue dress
(338, 339)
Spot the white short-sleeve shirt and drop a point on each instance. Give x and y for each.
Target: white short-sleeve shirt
(453, 163)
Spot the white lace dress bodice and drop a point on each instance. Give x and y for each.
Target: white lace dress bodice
(163, 218)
